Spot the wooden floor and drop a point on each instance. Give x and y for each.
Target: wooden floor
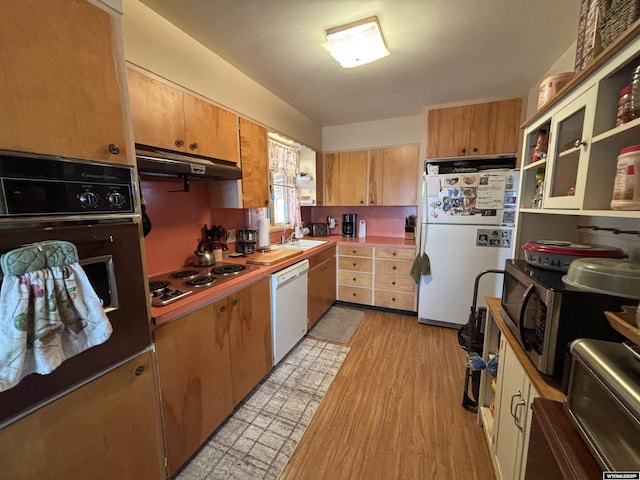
(393, 411)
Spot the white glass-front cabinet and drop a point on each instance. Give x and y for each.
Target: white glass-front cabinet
(579, 165)
(568, 156)
(512, 423)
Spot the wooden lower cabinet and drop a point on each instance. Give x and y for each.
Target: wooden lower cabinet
(377, 276)
(208, 361)
(251, 344)
(322, 284)
(195, 379)
(556, 449)
(393, 285)
(107, 429)
(355, 273)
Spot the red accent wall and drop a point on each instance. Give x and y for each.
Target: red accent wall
(177, 219)
(381, 221)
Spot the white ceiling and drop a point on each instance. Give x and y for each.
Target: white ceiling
(442, 51)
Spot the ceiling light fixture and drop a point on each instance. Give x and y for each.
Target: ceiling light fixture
(357, 43)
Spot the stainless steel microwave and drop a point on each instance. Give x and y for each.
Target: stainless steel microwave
(545, 315)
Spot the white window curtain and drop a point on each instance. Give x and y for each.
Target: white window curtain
(284, 166)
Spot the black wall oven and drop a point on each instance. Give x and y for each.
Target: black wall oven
(93, 206)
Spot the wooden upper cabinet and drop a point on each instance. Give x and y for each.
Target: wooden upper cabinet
(346, 178)
(166, 117)
(481, 129)
(210, 131)
(319, 179)
(157, 112)
(254, 157)
(60, 92)
(393, 176)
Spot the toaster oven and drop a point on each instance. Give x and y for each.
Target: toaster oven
(319, 230)
(604, 401)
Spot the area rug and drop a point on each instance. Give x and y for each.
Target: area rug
(257, 441)
(337, 325)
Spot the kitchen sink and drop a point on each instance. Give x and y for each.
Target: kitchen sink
(301, 244)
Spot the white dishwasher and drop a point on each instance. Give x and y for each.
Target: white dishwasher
(288, 307)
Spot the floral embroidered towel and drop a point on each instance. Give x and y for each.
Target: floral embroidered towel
(47, 316)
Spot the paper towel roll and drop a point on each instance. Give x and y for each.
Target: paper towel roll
(263, 232)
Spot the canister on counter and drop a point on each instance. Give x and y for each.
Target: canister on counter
(626, 186)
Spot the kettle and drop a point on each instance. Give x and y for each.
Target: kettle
(204, 258)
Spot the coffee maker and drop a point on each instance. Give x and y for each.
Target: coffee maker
(349, 222)
(246, 241)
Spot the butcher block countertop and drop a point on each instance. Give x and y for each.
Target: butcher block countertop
(274, 256)
(266, 267)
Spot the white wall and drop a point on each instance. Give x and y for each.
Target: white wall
(566, 63)
(154, 44)
(377, 133)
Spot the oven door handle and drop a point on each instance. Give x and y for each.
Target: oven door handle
(526, 296)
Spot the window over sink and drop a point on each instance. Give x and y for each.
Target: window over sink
(284, 168)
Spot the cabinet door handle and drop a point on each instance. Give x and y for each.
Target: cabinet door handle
(354, 251)
(193, 146)
(393, 283)
(354, 279)
(580, 143)
(179, 142)
(516, 417)
(354, 264)
(394, 254)
(223, 309)
(139, 370)
(114, 149)
(235, 301)
(513, 398)
(393, 268)
(464, 150)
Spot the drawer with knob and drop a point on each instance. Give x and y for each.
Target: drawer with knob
(399, 253)
(393, 267)
(397, 300)
(395, 283)
(355, 250)
(355, 263)
(354, 294)
(355, 279)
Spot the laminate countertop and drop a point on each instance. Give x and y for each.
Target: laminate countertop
(197, 300)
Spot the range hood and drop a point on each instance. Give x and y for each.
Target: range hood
(184, 166)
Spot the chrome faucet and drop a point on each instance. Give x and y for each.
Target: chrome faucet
(284, 239)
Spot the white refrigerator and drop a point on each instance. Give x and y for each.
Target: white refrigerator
(467, 227)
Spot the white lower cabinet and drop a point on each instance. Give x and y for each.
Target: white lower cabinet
(514, 395)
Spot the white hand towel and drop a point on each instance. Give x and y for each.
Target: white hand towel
(47, 316)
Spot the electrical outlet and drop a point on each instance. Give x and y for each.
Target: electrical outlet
(232, 235)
